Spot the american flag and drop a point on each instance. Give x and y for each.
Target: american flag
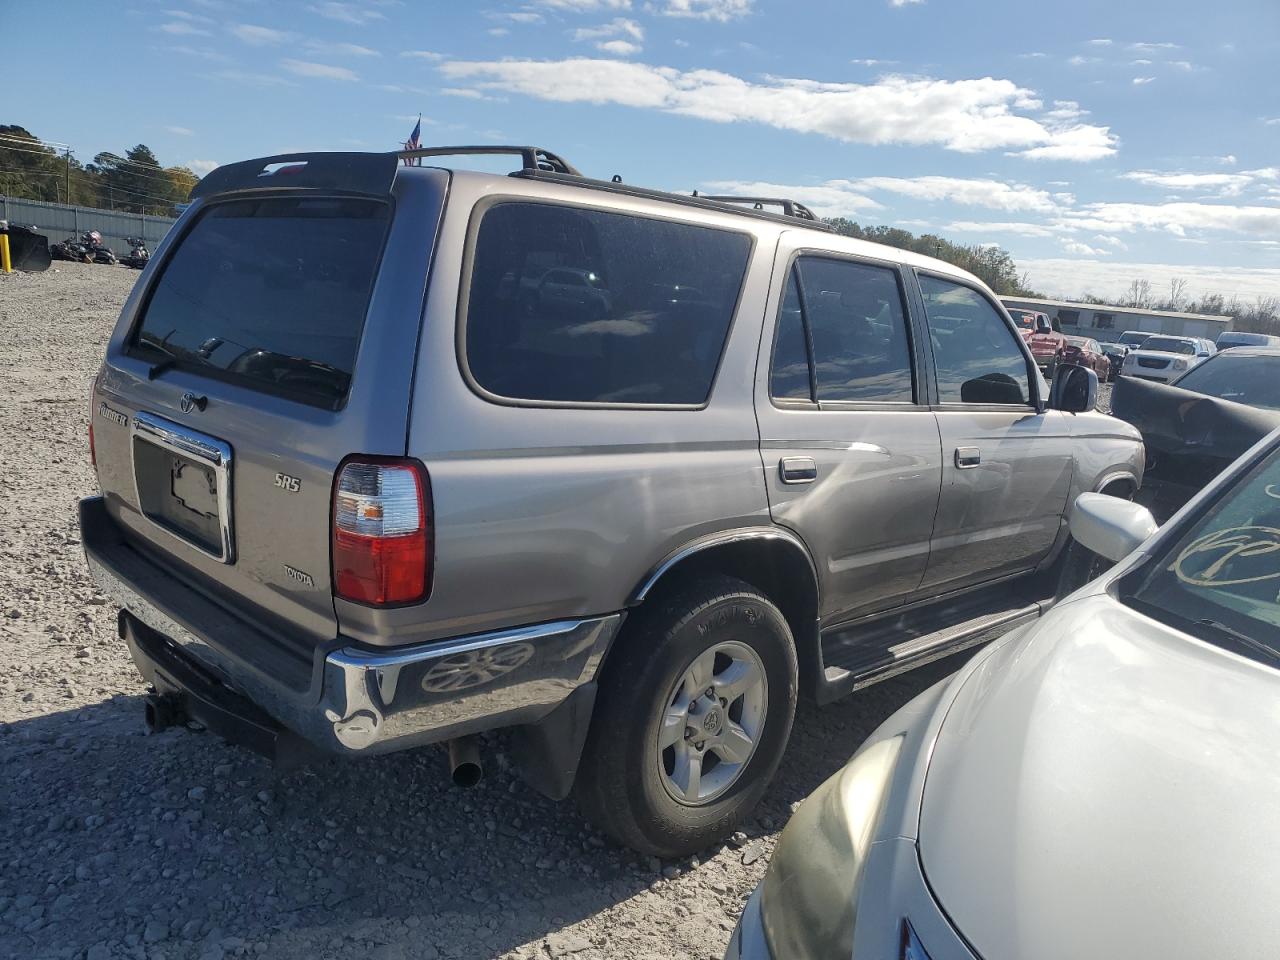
(413, 143)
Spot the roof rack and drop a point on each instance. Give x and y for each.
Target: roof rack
(533, 158)
(698, 200)
(790, 208)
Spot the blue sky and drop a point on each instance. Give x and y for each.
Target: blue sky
(1097, 141)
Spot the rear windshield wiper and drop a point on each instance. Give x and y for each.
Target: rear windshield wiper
(1243, 639)
(160, 366)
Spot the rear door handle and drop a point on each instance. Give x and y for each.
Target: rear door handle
(798, 469)
(967, 457)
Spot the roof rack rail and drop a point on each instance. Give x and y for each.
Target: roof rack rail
(533, 158)
(790, 208)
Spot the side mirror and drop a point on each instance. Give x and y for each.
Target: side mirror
(1110, 527)
(1203, 353)
(1043, 325)
(1074, 389)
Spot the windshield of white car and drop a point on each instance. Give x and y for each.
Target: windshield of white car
(1251, 380)
(1169, 345)
(1221, 580)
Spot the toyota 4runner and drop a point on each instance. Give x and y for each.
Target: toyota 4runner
(393, 454)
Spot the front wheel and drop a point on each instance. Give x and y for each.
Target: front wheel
(692, 716)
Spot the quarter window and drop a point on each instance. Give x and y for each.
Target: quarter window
(586, 306)
(974, 351)
(853, 316)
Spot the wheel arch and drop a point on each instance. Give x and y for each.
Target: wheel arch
(1120, 480)
(773, 560)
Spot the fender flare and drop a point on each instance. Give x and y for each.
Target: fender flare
(718, 539)
(1109, 478)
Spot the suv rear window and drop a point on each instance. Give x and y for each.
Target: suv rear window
(269, 293)
(583, 306)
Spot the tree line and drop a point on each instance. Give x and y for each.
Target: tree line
(134, 182)
(1261, 315)
(993, 265)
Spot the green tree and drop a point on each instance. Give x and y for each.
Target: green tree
(993, 265)
(31, 170)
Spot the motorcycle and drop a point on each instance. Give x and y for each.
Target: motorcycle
(71, 249)
(99, 252)
(138, 253)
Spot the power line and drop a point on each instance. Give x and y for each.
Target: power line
(109, 187)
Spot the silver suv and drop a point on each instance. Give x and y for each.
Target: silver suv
(392, 454)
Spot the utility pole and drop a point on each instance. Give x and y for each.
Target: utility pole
(68, 174)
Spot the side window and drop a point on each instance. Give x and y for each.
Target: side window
(974, 351)
(588, 306)
(789, 376)
(856, 322)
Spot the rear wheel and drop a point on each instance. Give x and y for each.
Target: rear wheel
(692, 717)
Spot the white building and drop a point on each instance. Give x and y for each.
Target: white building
(1104, 323)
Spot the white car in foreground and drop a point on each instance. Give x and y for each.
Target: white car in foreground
(1101, 784)
(1166, 358)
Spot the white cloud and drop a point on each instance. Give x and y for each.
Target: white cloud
(1142, 63)
(187, 15)
(256, 79)
(1142, 47)
(1139, 81)
(497, 31)
(257, 36)
(181, 131)
(585, 6)
(1114, 242)
(355, 13)
(320, 71)
(1082, 249)
(341, 49)
(993, 194)
(1034, 55)
(720, 10)
(1074, 278)
(1186, 65)
(834, 198)
(181, 28)
(1078, 60)
(1018, 228)
(1064, 111)
(1177, 218)
(1226, 184)
(872, 62)
(524, 16)
(617, 27)
(201, 166)
(962, 115)
(1101, 42)
(904, 3)
(422, 54)
(621, 48)
(200, 53)
(1271, 121)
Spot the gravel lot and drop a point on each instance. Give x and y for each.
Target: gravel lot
(118, 844)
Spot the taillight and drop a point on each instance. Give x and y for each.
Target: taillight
(381, 532)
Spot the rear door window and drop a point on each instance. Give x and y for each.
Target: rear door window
(976, 355)
(853, 315)
(270, 293)
(583, 306)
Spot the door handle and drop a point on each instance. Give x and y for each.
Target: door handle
(967, 457)
(798, 469)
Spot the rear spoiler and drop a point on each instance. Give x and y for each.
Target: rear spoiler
(367, 173)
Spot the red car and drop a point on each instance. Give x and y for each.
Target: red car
(1083, 352)
(1043, 336)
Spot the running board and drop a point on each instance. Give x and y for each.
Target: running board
(858, 655)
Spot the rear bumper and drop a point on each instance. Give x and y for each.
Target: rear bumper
(359, 700)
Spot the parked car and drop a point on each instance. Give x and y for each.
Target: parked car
(344, 508)
(1238, 338)
(1044, 336)
(1164, 359)
(1115, 354)
(1084, 352)
(1134, 338)
(1122, 750)
(1194, 428)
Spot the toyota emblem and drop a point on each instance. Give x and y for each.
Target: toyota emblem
(188, 401)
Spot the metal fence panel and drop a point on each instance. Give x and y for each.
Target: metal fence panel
(57, 221)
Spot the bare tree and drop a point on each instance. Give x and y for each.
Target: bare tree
(1139, 294)
(1177, 293)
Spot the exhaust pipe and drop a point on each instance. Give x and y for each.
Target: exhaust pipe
(464, 761)
(163, 711)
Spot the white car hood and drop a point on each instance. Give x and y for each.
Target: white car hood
(1109, 788)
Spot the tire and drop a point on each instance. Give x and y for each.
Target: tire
(627, 784)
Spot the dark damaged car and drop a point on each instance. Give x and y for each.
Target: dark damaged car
(1195, 427)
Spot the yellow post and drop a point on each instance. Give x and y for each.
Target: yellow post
(5, 265)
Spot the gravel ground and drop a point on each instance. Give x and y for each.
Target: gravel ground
(118, 844)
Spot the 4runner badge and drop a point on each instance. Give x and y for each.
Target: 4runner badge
(297, 576)
(115, 416)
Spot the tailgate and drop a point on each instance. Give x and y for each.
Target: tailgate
(273, 336)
